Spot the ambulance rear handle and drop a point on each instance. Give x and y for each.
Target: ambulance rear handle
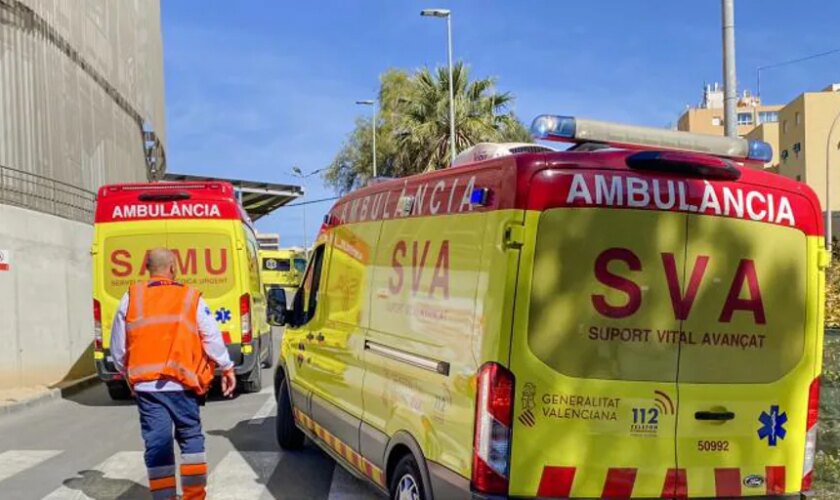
(716, 416)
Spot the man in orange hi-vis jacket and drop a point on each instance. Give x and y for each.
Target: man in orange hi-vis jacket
(167, 345)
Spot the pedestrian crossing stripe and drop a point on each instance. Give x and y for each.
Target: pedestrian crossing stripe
(359, 462)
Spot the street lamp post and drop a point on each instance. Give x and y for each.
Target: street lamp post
(828, 148)
(371, 102)
(448, 15)
(730, 99)
(297, 172)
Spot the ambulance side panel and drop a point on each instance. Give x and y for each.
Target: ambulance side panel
(437, 297)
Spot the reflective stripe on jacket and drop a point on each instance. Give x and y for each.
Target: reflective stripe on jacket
(162, 337)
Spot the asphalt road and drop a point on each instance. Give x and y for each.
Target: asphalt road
(89, 447)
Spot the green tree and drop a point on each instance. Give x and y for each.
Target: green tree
(413, 125)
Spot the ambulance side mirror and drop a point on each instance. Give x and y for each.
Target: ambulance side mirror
(276, 306)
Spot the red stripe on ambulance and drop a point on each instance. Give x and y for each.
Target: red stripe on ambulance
(619, 483)
(775, 479)
(628, 190)
(676, 484)
(728, 482)
(556, 481)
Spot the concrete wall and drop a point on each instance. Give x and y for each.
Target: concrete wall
(78, 79)
(46, 323)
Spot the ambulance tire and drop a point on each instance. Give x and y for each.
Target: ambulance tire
(118, 391)
(407, 479)
(289, 437)
(253, 381)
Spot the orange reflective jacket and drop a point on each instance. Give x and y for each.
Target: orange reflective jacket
(162, 337)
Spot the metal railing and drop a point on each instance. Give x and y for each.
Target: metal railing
(36, 192)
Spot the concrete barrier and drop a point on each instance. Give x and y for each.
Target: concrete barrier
(46, 323)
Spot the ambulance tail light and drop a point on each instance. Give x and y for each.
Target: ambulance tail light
(245, 318)
(811, 435)
(97, 326)
(579, 130)
(493, 424)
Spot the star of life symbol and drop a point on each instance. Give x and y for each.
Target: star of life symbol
(773, 425)
(223, 315)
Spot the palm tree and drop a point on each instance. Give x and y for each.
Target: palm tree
(413, 125)
(422, 117)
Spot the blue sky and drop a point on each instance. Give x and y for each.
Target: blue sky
(253, 90)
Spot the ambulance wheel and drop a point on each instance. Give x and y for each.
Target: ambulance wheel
(118, 391)
(253, 381)
(289, 437)
(268, 362)
(406, 481)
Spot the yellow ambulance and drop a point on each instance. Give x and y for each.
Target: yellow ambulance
(216, 247)
(639, 316)
(283, 268)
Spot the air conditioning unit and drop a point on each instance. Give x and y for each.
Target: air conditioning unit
(488, 150)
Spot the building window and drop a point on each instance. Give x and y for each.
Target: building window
(745, 118)
(768, 116)
(797, 118)
(796, 149)
(716, 121)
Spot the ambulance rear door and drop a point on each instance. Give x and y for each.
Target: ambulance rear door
(207, 259)
(124, 246)
(596, 343)
(747, 366)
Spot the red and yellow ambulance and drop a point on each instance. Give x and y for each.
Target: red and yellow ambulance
(638, 316)
(216, 247)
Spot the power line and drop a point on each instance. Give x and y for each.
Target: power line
(800, 59)
(758, 69)
(322, 200)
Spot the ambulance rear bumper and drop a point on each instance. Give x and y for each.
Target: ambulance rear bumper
(242, 364)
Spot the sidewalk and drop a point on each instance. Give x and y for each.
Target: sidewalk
(16, 400)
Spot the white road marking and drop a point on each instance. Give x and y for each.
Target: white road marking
(346, 487)
(241, 476)
(16, 461)
(264, 411)
(111, 479)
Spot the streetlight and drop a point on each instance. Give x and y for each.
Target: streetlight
(371, 102)
(297, 172)
(448, 15)
(828, 220)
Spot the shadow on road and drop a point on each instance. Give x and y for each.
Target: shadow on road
(95, 485)
(250, 439)
(97, 396)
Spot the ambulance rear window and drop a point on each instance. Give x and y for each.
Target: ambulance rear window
(278, 265)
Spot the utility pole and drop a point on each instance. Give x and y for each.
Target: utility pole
(730, 90)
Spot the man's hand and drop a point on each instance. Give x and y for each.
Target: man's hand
(228, 383)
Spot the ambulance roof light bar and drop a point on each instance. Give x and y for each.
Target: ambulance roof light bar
(580, 130)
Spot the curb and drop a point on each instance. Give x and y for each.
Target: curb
(51, 394)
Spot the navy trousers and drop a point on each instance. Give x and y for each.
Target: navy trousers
(160, 414)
